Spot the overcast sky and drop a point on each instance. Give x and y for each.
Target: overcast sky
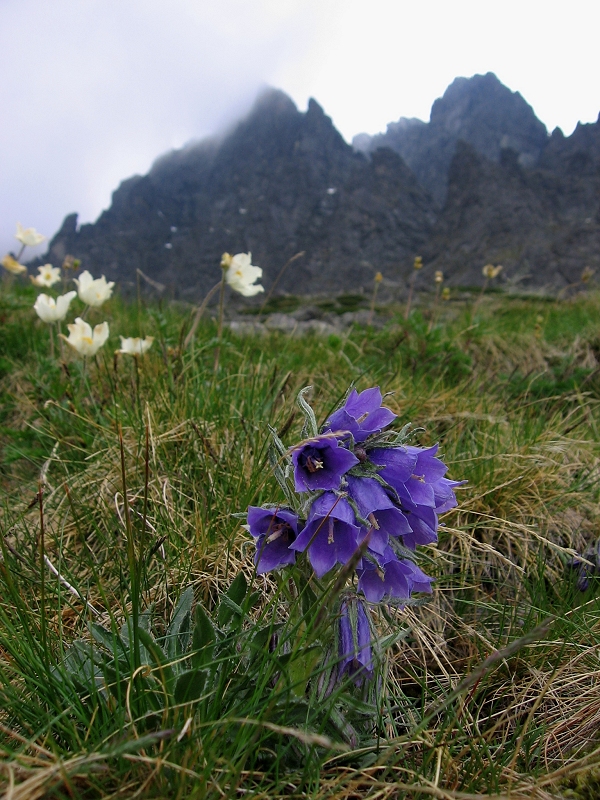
(92, 91)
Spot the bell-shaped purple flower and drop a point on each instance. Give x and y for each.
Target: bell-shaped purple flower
(275, 530)
(362, 415)
(445, 499)
(319, 463)
(331, 533)
(388, 577)
(375, 506)
(398, 464)
(356, 658)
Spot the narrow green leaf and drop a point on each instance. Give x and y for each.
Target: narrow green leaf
(203, 638)
(235, 594)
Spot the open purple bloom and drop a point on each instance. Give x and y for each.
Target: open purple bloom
(319, 463)
(331, 533)
(391, 578)
(274, 530)
(375, 506)
(355, 640)
(362, 415)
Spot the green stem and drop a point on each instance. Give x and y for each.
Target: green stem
(133, 564)
(220, 323)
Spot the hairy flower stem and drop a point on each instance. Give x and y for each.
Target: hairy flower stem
(42, 547)
(373, 298)
(52, 342)
(410, 294)
(434, 310)
(133, 563)
(199, 311)
(220, 323)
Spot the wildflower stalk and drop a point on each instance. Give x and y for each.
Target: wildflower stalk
(278, 278)
(417, 265)
(439, 277)
(42, 552)
(377, 280)
(220, 323)
(198, 316)
(133, 564)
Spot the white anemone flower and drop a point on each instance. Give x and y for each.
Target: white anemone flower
(50, 310)
(241, 275)
(93, 292)
(134, 346)
(48, 276)
(29, 236)
(82, 339)
(12, 265)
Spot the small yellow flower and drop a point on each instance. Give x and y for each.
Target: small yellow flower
(226, 261)
(378, 277)
(446, 293)
(12, 265)
(48, 276)
(418, 264)
(439, 276)
(490, 271)
(29, 236)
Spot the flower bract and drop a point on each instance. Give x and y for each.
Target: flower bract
(12, 265)
(319, 463)
(50, 310)
(274, 530)
(134, 346)
(84, 340)
(93, 292)
(29, 236)
(241, 275)
(48, 276)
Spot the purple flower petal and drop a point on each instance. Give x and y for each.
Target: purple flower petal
(320, 463)
(274, 530)
(362, 415)
(398, 464)
(331, 534)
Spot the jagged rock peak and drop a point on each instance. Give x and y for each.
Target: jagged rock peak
(479, 110)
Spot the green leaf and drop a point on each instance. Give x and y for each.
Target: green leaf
(203, 638)
(177, 637)
(108, 639)
(235, 595)
(189, 686)
(158, 658)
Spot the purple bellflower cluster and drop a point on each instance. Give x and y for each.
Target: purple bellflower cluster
(356, 492)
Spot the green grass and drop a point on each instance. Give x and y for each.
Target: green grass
(509, 387)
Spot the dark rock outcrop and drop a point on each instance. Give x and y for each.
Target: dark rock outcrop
(480, 111)
(542, 224)
(281, 182)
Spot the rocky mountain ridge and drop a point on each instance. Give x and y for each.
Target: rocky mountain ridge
(481, 182)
